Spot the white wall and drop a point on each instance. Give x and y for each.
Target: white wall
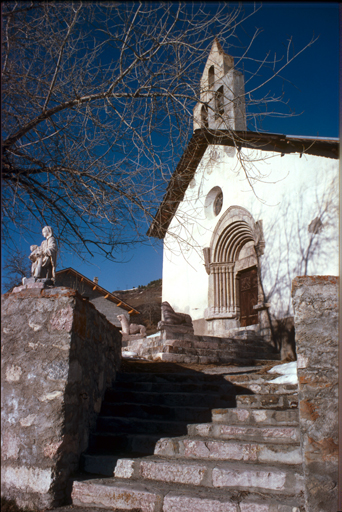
(287, 191)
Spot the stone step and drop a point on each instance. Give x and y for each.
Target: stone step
(249, 416)
(218, 344)
(171, 399)
(214, 474)
(140, 426)
(205, 502)
(224, 352)
(258, 433)
(204, 341)
(220, 358)
(273, 401)
(110, 443)
(111, 494)
(254, 377)
(158, 412)
(159, 497)
(231, 450)
(191, 377)
(267, 388)
(177, 387)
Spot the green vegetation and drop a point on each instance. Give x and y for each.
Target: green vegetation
(151, 284)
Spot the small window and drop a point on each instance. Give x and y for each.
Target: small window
(213, 203)
(211, 76)
(204, 116)
(218, 203)
(219, 105)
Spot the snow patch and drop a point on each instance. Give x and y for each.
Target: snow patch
(126, 353)
(154, 335)
(288, 372)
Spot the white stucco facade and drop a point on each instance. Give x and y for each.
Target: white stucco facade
(290, 191)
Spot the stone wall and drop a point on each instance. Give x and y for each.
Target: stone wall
(315, 301)
(58, 356)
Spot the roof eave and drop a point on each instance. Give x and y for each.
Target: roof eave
(105, 292)
(199, 142)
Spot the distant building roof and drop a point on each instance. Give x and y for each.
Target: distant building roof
(107, 295)
(202, 138)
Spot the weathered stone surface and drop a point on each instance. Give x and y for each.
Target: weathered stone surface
(271, 433)
(124, 468)
(267, 401)
(249, 432)
(58, 355)
(179, 503)
(106, 493)
(257, 477)
(315, 301)
(172, 472)
(229, 450)
(185, 347)
(242, 416)
(253, 506)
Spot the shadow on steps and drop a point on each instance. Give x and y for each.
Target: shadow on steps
(149, 401)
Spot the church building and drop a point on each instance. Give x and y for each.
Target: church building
(244, 212)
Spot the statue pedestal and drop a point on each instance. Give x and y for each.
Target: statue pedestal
(170, 331)
(56, 372)
(131, 337)
(33, 282)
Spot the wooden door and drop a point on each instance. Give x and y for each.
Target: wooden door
(248, 297)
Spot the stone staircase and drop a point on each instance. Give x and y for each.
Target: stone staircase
(244, 348)
(143, 407)
(246, 459)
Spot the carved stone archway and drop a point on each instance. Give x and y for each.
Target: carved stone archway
(236, 243)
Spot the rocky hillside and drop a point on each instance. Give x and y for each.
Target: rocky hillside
(146, 299)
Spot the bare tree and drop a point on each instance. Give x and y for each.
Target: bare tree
(304, 237)
(97, 108)
(16, 266)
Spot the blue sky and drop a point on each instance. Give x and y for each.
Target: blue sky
(311, 86)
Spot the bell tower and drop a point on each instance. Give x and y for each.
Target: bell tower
(222, 96)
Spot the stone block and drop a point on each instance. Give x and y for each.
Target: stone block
(271, 479)
(238, 450)
(191, 474)
(53, 381)
(220, 450)
(270, 506)
(181, 503)
(288, 434)
(274, 401)
(255, 416)
(124, 468)
(105, 493)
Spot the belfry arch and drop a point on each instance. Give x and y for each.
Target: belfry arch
(236, 244)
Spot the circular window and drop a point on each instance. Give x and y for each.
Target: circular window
(213, 203)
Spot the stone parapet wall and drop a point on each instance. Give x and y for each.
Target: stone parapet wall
(58, 356)
(315, 302)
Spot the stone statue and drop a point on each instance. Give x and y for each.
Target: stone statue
(34, 257)
(44, 258)
(172, 318)
(128, 328)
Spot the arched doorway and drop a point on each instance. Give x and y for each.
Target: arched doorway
(232, 265)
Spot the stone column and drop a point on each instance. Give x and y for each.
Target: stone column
(315, 302)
